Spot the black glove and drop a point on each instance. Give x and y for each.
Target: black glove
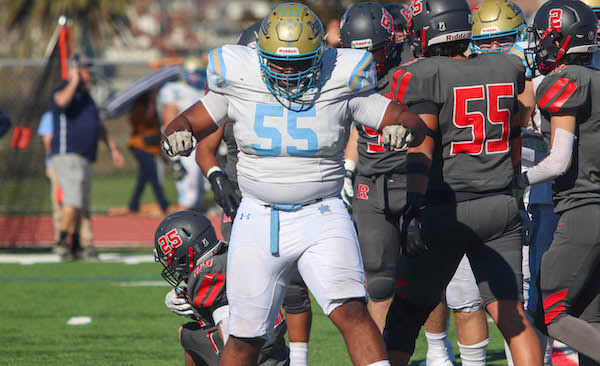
(177, 169)
(225, 193)
(410, 236)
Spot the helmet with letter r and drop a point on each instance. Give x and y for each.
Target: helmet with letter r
(564, 32)
(290, 46)
(497, 26)
(182, 240)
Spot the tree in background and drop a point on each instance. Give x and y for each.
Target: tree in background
(31, 21)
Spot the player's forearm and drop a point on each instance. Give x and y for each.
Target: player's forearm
(526, 104)
(351, 152)
(515, 154)
(205, 158)
(398, 114)
(418, 163)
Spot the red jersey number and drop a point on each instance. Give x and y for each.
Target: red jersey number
(169, 241)
(475, 120)
(555, 18)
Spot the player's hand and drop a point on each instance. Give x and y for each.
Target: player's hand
(411, 241)
(226, 195)
(396, 137)
(176, 300)
(179, 143)
(117, 157)
(347, 192)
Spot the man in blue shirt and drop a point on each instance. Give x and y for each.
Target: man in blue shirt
(77, 129)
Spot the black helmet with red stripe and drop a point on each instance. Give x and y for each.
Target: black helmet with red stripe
(182, 240)
(564, 30)
(436, 22)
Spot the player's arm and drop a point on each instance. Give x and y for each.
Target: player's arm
(351, 152)
(195, 123)
(206, 152)
(397, 114)
(350, 161)
(224, 191)
(526, 104)
(516, 142)
(419, 159)
(561, 152)
(398, 125)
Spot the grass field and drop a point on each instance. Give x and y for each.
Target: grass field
(130, 324)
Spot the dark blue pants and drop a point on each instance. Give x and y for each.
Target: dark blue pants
(147, 173)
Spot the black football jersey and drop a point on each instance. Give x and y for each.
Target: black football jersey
(232, 152)
(475, 99)
(373, 157)
(571, 90)
(206, 287)
(207, 292)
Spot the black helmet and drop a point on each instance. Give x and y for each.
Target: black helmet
(561, 28)
(249, 36)
(182, 240)
(438, 21)
(400, 13)
(367, 26)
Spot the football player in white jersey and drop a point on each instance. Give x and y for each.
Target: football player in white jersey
(174, 98)
(291, 102)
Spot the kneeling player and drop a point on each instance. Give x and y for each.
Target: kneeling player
(187, 246)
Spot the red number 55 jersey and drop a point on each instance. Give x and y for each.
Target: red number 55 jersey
(475, 100)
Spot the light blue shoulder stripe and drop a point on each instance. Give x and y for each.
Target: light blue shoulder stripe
(360, 72)
(218, 66)
(519, 51)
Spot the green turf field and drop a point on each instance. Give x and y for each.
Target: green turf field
(130, 324)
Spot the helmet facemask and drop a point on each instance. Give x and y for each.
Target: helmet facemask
(285, 84)
(516, 35)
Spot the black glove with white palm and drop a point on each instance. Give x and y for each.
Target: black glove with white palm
(226, 194)
(411, 241)
(347, 192)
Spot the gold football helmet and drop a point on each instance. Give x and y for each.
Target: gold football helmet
(193, 71)
(497, 19)
(290, 45)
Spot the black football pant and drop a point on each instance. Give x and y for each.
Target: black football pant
(488, 230)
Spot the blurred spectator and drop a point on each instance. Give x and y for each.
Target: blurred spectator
(333, 34)
(4, 123)
(174, 98)
(45, 132)
(145, 147)
(77, 129)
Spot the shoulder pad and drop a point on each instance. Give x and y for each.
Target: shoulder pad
(417, 81)
(564, 90)
(233, 66)
(518, 49)
(348, 71)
